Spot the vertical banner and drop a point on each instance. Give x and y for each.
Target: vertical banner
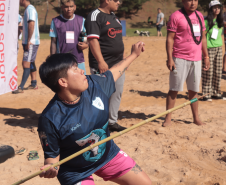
(9, 10)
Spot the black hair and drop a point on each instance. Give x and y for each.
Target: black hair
(56, 67)
(225, 3)
(219, 20)
(102, 1)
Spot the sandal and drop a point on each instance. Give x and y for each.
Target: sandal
(20, 151)
(19, 90)
(33, 155)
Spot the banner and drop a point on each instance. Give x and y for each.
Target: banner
(9, 10)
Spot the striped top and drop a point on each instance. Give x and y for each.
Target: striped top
(30, 14)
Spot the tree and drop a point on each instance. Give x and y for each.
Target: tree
(203, 4)
(126, 9)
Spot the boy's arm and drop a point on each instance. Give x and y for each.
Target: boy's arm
(119, 68)
(169, 50)
(52, 172)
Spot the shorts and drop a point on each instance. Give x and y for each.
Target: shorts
(117, 167)
(30, 55)
(159, 27)
(82, 66)
(188, 71)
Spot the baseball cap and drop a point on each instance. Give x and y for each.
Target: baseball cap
(213, 3)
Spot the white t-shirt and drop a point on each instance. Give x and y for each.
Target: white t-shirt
(159, 17)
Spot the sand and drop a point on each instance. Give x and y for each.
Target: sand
(183, 154)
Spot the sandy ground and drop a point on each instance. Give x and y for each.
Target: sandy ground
(183, 154)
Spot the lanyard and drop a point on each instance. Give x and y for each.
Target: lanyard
(190, 24)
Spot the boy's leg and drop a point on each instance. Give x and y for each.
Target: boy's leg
(177, 79)
(193, 82)
(134, 177)
(170, 102)
(123, 170)
(194, 108)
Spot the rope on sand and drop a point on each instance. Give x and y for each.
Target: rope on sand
(108, 139)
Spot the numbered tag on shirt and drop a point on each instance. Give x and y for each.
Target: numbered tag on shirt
(196, 29)
(214, 33)
(70, 37)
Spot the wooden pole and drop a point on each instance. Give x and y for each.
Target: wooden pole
(108, 139)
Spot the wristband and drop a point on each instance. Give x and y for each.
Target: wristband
(206, 57)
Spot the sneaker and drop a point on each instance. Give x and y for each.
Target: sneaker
(116, 127)
(19, 90)
(206, 99)
(31, 87)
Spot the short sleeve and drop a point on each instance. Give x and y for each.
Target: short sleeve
(172, 23)
(106, 81)
(31, 15)
(52, 32)
(49, 138)
(162, 15)
(92, 25)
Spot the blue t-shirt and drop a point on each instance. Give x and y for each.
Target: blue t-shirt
(30, 14)
(66, 129)
(19, 18)
(53, 31)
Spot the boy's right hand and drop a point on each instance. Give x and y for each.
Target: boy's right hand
(50, 173)
(170, 64)
(137, 48)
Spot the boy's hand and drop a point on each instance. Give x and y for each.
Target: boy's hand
(137, 48)
(50, 173)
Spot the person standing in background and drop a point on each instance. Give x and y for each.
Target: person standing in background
(31, 41)
(66, 31)
(159, 22)
(185, 44)
(211, 79)
(104, 33)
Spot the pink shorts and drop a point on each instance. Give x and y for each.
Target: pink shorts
(117, 167)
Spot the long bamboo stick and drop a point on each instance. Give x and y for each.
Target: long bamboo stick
(108, 139)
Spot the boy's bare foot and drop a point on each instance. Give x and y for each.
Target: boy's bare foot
(166, 124)
(199, 122)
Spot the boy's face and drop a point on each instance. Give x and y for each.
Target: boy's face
(68, 9)
(114, 4)
(190, 5)
(76, 80)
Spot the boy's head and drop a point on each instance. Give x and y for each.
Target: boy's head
(190, 5)
(55, 69)
(68, 8)
(113, 5)
(159, 10)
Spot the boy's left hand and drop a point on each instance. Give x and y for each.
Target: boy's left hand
(82, 46)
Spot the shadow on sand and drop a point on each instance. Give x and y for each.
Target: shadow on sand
(25, 118)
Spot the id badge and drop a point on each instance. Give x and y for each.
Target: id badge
(196, 30)
(214, 33)
(70, 37)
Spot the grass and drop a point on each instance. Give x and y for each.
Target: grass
(129, 32)
(153, 31)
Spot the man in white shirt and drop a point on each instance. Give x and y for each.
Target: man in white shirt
(159, 22)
